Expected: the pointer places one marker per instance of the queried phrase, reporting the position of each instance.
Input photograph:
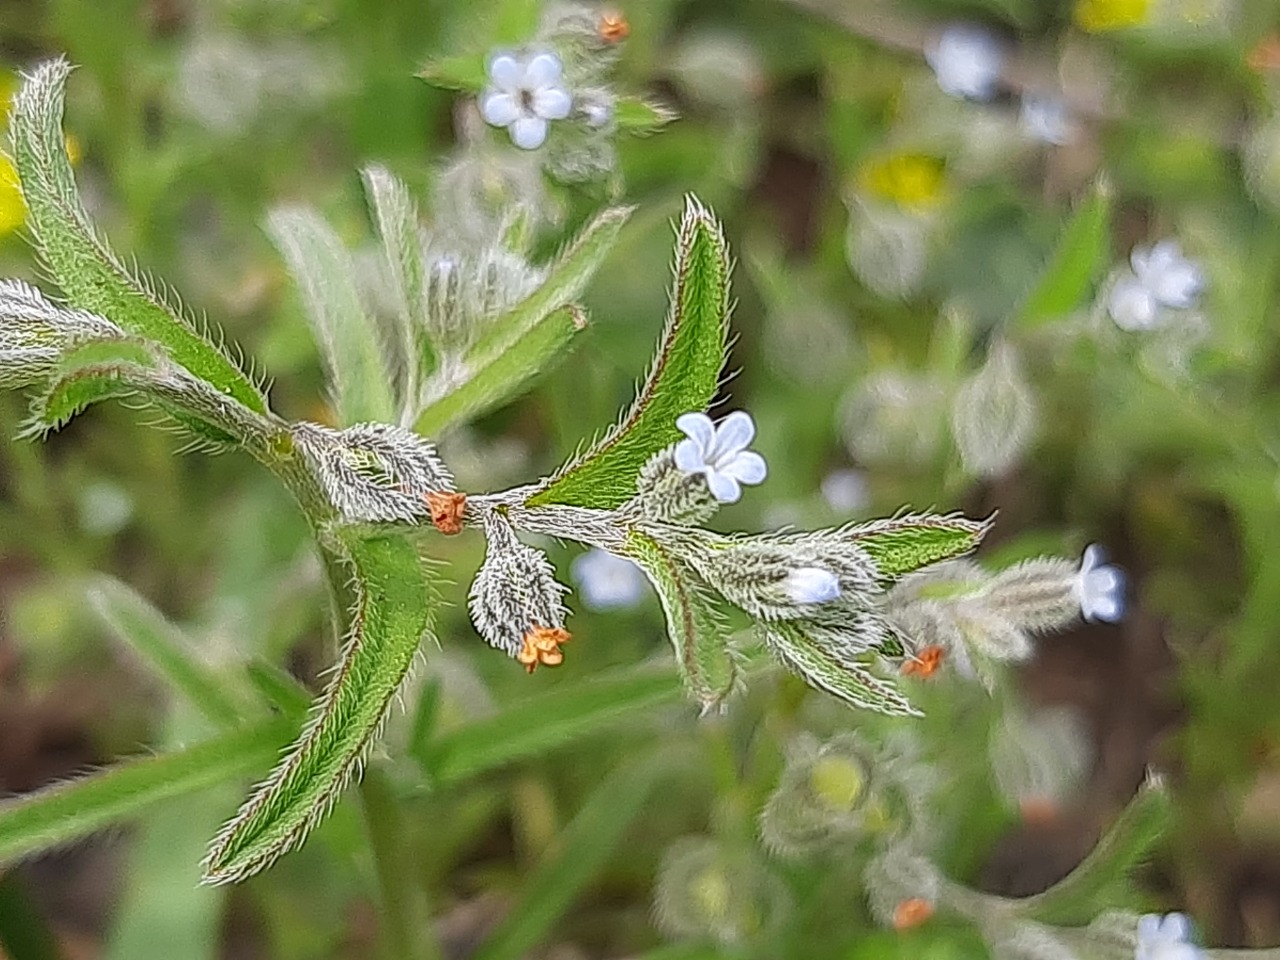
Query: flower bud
(667, 494)
(705, 890)
(824, 794)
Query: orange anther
(542, 645)
(925, 664)
(446, 511)
(613, 27)
(911, 913)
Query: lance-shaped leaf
(93, 371)
(396, 216)
(85, 267)
(1081, 253)
(902, 544)
(701, 647)
(394, 610)
(640, 116)
(68, 811)
(464, 72)
(344, 331)
(824, 661)
(684, 376)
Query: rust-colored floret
(911, 913)
(614, 27)
(925, 664)
(542, 645)
(446, 511)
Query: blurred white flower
(719, 452)
(846, 491)
(606, 581)
(1161, 277)
(1047, 119)
(967, 61)
(806, 585)
(1165, 938)
(1099, 586)
(524, 93)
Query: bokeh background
(886, 234)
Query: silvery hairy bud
(374, 472)
(34, 333)
(516, 601)
(667, 494)
(785, 576)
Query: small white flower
(719, 453)
(967, 61)
(597, 114)
(1099, 587)
(606, 581)
(846, 491)
(1165, 938)
(805, 585)
(1172, 279)
(524, 93)
(1161, 278)
(1047, 119)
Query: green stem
(405, 922)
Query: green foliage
(821, 667)
(907, 543)
(1080, 256)
(684, 376)
(393, 613)
(90, 373)
(81, 262)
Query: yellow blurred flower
(1098, 16)
(12, 210)
(915, 181)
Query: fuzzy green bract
(685, 374)
(81, 262)
(904, 544)
(843, 679)
(394, 611)
(91, 372)
(696, 633)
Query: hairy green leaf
(1103, 879)
(902, 544)
(396, 216)
(502, 375)
(57, 815)
(693, 624)
(86, 268)
(93, 371)
(394, 610)
(344, 332)
(685, 374)
(640, 116)
(542, 723)
(1082, 252)
(464, 72)
(838, 676)
(143, 628)
(586, 845)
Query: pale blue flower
(606, 581)
(524, 94)
(1099, 587)
(806, 585)
(1047, 119)
(1161, 277)
(719, 452)
(967, 61)
(1166, 938)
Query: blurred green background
(886, 235)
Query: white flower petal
(1149, 923)
(698, 428)
(606, 581)
(1094, 556)
(552, 103)
(543, 70)
(528, 133)
(1175, 926)
(723, 487)
(505, 70)
(967, 61)
(499, 108)
(746, 467)
(733, 434)
(807, 585)
(689, 457)
(1131, 305)
(1179, 285)
(1105, 580)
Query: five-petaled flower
(1161, 277)
(606, 581)
(524, 94)
(1165, 938)
(719, 452)
(1099, 586)
(967, 61)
